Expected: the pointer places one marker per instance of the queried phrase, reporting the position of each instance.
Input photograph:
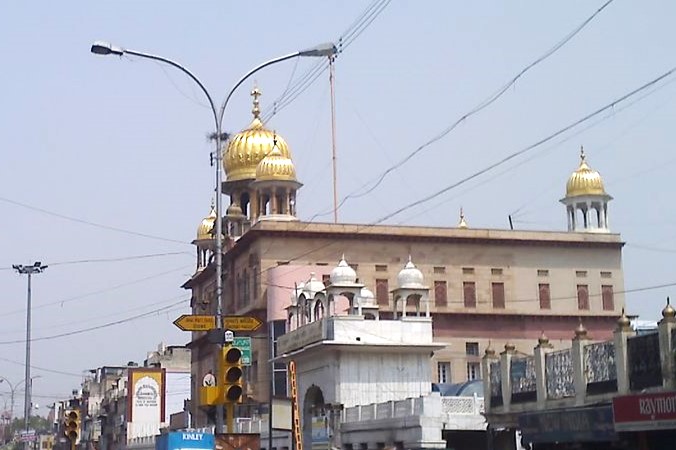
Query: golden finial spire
(582, 155)
(255, 93)
(463, 222)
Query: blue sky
(123, 142)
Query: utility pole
(36, 268)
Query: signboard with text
(656, 411)
(244, 344)
(569, 425)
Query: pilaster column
(540, 355)
(577, 355)
(489, 357)
(505, 375)
(620, 335)
(665, 327)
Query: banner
(146, 401)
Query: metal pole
(271, 330)
(36, 267)
(219, 259)
(322, 50)
(332, 76)
(27, 377)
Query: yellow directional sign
(241, 323)
(189, 322)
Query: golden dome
(276, 166)
(248, 147)
(207, 225)
(623, 323)
(584, 181)
(668, 312)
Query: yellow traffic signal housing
(231, 375)
(71, 424)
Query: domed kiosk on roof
(586, 199)
(260, 176)
(248, 147)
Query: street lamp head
(106, 48)
(327, 49)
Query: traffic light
(71, 424)
(231, 374)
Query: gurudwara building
(482, 287)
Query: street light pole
(105, 48)
(36, 268)
(12, 390)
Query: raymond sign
(645, 411)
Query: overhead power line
(295, 89)
(481, 106)
(63, 301)
(93, 224)
(98, 327)
(43, 369)
(529, 148)
(488, 168)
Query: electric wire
(529, 148)
(486, 169)
(482, 105)
(43, 369)
(147, 314)
(90, 223)
(294, 90)
(99, 291)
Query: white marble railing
(433, 405)
(462, 405)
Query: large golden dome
(276, 166)
(584, 181)
(206, 227)
(247, 148)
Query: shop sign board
(587, 424)
(654, 411)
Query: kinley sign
(656, 411)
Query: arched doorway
(313, 411)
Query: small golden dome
(623, 323)
(585, 180)
(247, 148)
(580, 331)
(233, 210)
(543, 340)
(206, 227)
(509, 347)
(668, 312)
(276, 166)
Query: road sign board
(244, 344)
(241, 323)
(189, 322)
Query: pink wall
(280, 284)
(519, 327)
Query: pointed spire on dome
(623, 323)
(669, 313)
(343, 273)
(462, 223)
(255, 93)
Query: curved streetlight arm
(251, 72)
(184, 70)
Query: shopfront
(585, 427)
(648, 420)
